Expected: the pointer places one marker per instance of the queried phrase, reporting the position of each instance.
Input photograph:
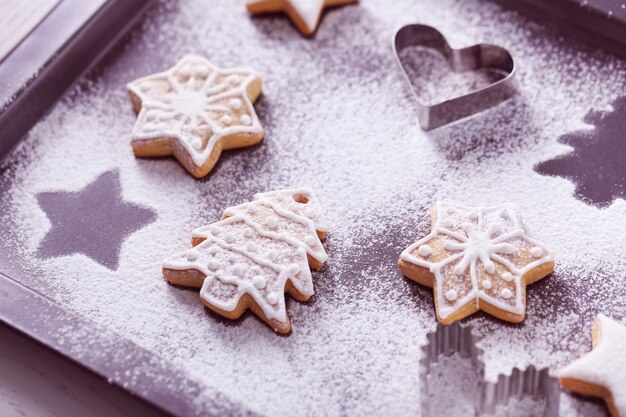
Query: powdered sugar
(338, 118)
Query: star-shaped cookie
(305, 14)
(602, 372)
(193, 111)
(477, 258)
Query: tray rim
(174, 393)
(37, 72)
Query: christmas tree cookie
(602, 372)
(256, 253)
(477, 258)
(193, 111)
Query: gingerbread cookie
(256, 253)
(602, 372)
(305, 14)
(193, 111)
(477, 258)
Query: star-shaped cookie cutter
(471, 58)
(533, 383)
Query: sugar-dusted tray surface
(338, 117)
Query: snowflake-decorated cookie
(256, 253)
(193, 111)
(477, 258)
(305, 14)
(602, 372)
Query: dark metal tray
(349, 51)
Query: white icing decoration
(272, 298)
(506, 293)
(192, 255)
(185, 71)
(197, 102)
(536, 252)
(259, 282)
(232, 80)
(245, 119)
(425, 250)
(196, 143)
(282, 199)
(451, 295)
(485, 243)
(249, 254)
(239, 269)
(202, 71)
(478, 245)
(272, 222)
(310, 213)
(605, 364)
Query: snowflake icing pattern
(197, 104)
(477, 257)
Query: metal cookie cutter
(436, 396)
(530, 383)
(472, 58)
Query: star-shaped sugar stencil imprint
(305, 14)
(596, 164)
(193, 111)
(477, 258)
(94, 221)
(602, 372)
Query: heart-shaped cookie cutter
(455, 338)
(471, 58)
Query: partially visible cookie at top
(477, 258)
(257, 252)
(193, 111)
(305, 14)
(602, 372)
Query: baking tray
(599, 22)
(338, 118)
(65, 44)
